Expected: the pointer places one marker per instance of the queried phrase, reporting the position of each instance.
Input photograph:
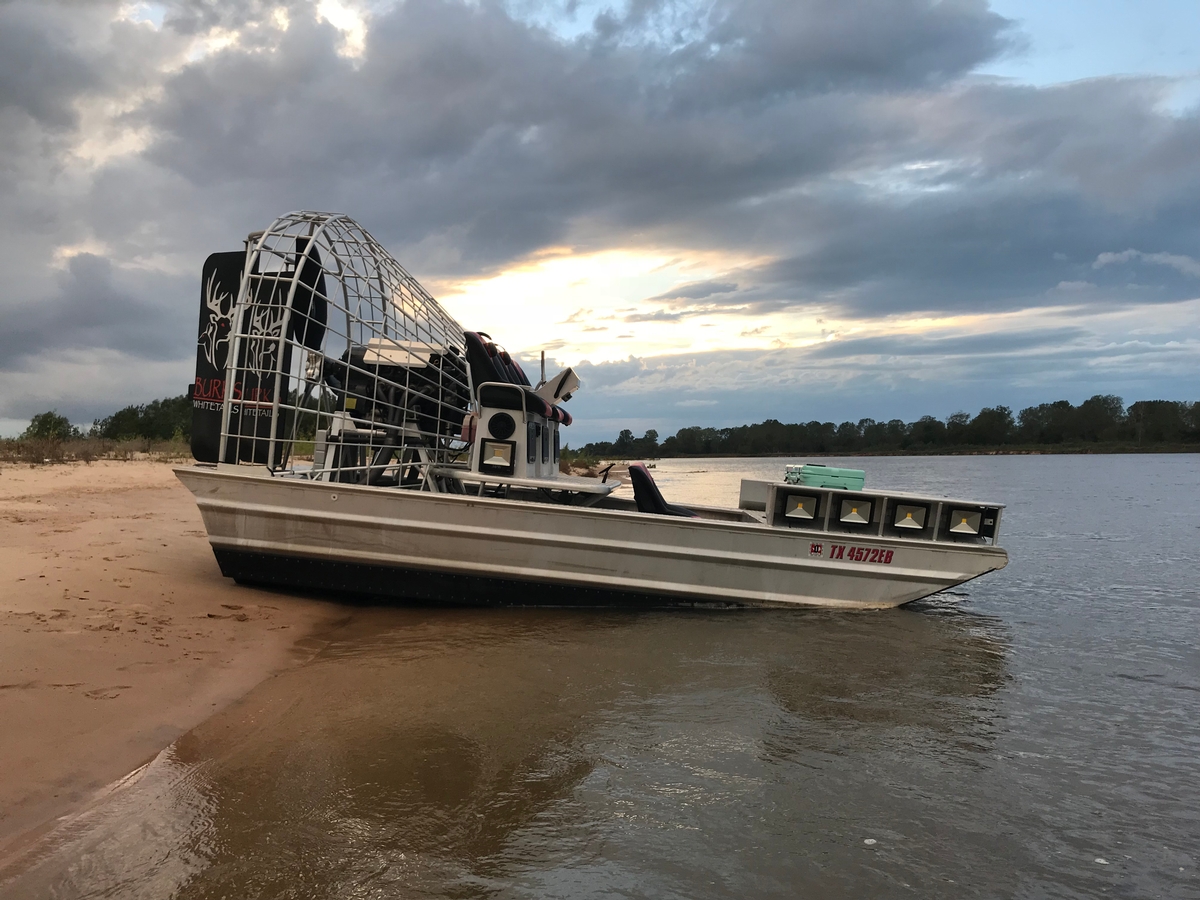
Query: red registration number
(858, 554)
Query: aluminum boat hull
(467, 550)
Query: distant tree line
(1099, 423)
(159, 420)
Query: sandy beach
(117, 631)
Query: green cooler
(826, 477)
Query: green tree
(956, 427)
(1048, 423)
(993, 426)
(51, 426)
(847, 437)
(623, 445)
(158, 420)
(1158, 421)
(1098, 418)
(929, 432)
(647, 444)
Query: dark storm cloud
(461, 118)
(697, 290)
(96, 306)
(848, 142)
(764, 48)
(958, 254)
(933, 347)
(465, 125)
(40, 73)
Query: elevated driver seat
(492, 365)
(649, 498)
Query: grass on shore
(48, 451)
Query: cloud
(577, 317)
(1185, 264)
(904, 376)
(940, 348)
(746, 51)
(696, 291)
(98, 306)
(845, 147)
(39, 74)
(659, 315)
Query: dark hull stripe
(375, 582)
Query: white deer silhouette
(262, 345)
(214, 340)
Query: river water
(1035, 733)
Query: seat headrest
(483, 366)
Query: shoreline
(1174, 450)
(118, 632)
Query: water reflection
(537, 753)
(923, 671)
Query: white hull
(473, 550)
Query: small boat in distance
(350, 436)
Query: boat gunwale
(549, 484)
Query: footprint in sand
(23, 686)
(107, 693)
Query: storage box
(826, 477)
(753, 494)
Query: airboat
(351, 437)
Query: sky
(718, 211)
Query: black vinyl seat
(649, 498)
(492, 365)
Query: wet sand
(117, 631)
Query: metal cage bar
(336, 346)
